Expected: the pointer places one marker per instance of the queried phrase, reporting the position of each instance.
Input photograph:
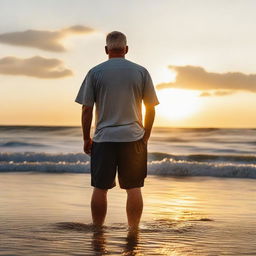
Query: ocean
(171, 151)
(199, 196)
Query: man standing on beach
(117, 87)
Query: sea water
(199, 196)
(171, 151)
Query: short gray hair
(116, 40)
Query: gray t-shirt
(117, 87)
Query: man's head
(116, 44)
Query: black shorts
(129, 159)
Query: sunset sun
(177, 103)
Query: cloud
(217, 93)
(43, 39)
(36, 66)
(197, 78)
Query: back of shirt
(117, 87)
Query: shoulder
(137, 66)
(124, 64)
(98, 67)
(142, 70)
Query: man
(117, 87)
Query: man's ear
(106, 49)
(126, 49)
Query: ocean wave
(42, 130)
(226, 158)
(20, 144)
(35, 128)
(49, 167)
(170, 165)
(152, 156)
(43, 157)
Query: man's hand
(145, 138)
(88, 146)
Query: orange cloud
(197, 78)
(36, 66)
(43, 39)
(217, 93)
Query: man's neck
(110, 56)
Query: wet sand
(49, 214)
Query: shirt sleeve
(149, 93)
(86, 93)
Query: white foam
(55, 167)
(170, 167)
(165, 167)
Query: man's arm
(87, 115)
(148, 121)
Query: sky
(200, 54)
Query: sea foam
(158, 164)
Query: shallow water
(49, 214)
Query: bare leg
(99, 206)
(134, 207)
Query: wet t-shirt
(117, 87)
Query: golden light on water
(176, 104)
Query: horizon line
(93, 127)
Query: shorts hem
(133, 186)
(102, 187)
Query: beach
(49, 214)
(170, 85)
